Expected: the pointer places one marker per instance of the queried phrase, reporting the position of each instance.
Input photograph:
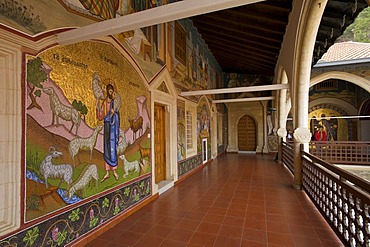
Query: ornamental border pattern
(185, 166)
(72, 225)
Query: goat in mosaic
(129, 166)
(58, 109)
(79, 143)
(136, 125)
(50, 170)
(86, 177)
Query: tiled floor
(237, 200)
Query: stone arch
(355, 79)
(328, 105)
(254, 144)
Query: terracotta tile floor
(237, 200)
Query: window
(327, 85)
(189, 130)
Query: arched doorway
(247, 134)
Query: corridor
(237, 200)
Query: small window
(189, 130)
(327, 85)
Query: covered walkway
(237, 200)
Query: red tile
(160, 231)
(222, 241)
(255, 235)
(172, 243)
(203, 239)
(230, 231)
(180, 235)
(280, 239)
(249, 243)
(208, 227)
(151, 241)
(233, 221)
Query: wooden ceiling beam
(220, 19)
(234, 32)
(250, 58)
(215, 34)
(149, 17)
(255, 17)
(211, 40)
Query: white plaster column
(264, 114)
(214, 132)
(307, 29)
(10, 135)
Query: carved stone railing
(338, 152)
(342, 198)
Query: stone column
(265, 141)
(308, 28)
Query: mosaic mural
(187, 165)
(84, 133)
(203, 123)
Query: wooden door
(159, 143)
(247, 134)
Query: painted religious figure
(107, 111)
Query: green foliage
(61, 237)
(105, 203)
(34, 73)
(359, 30)
(116, 210)
(94, 221)
(33, 202)
(75, 215)
(79, 106)
(31, 236)
(127, 191)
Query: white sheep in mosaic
(58, 109)
(79, 143)
(86, 177)
(122, 145)
(129, 166)
(50, 170)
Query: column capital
(302, 135)
(282, 132)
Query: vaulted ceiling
(248, 39)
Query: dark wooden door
(159, 143)
(247, 134)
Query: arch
(246, 127)
(364, 108)
(336, 108)
(355, 79)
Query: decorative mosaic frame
(71, 225)
(189, 164)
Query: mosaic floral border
(189, 164)
(70, 226)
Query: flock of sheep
(89, 173)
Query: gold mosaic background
(74, 65)
(342, 131)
